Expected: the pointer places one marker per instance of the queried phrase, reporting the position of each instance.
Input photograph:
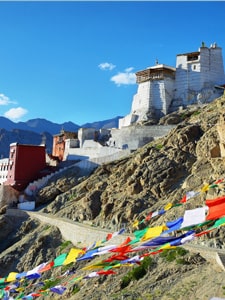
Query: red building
(58, 147)
(25, 164)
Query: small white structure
(4, 166)
(163, 89)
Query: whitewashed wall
(141, 100)
(4, 164)
(127, 120)
(192, 77)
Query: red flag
(47, 267)
(184, 199)
(148, 216)
(106, 272)
(109, 236)
(116, 257)
(122, 249)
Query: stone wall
(134, 137)
(90, 153)
(152, 94)
(86, 134)
(79, 234)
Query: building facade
(197, 73)
(196, 79)
(59, 141)
(24, 164)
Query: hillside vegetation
(120, 193)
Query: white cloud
(124, 78)
(129, 69)
(15, 113)
(4, 100)
(106, 66)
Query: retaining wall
(134, 137)
(85, 235)
(79, 234)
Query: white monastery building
(197, 79)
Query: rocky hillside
(116, 195)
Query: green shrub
(195, 113)
(184, 116)
(76, 289)
(137, 273)
(64, 245)
(181, 261)
(147, 261)
(50, 283)
(173, 254)
(72, 196)
(181, 251)
(65, 268)
(159, 146)
(125, 281)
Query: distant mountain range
(37, 131)
(43, 125)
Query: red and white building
(24, 165)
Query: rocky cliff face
(120, 192)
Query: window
(191, 57)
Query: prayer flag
(149, 216)
(11, 276)
(205, 188)
(59, 289)
(194, 216)
(72, 255)
(153, 232)
(135, 224)
(168, 206)
(47, 267)
(216, 208)
(59, 260)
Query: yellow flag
(153, 232)
(92, 267)
(168, 206)
(205, 188)
(72, 255)
(98, 244)
(167, 246)
(135, 224)
(11, 276)
(20, 289)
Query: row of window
(4, 167)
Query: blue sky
(76, 61)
